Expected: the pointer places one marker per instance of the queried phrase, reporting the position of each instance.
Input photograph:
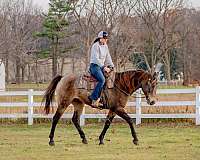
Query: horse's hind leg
(109, 119)
(56, 118)
(78, 108)
(121, 112)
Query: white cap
(102, 34)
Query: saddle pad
(86, 81)
(89, 78)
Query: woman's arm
(108, 60)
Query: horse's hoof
(51, 143)
(101, 143)
(84, 141)
(136, 142)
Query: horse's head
(148, 86)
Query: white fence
(138, 103)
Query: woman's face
(104, 40)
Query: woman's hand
(106, 69)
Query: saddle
(90, 82)
(89, 78)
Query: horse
(125, 84)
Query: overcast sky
(196, 2)
(44, 3)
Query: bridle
(128, 94)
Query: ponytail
(96, 40)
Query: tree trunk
(54, 58)
(17, 74)
(29, 73)
(23, 74)
(36, 71)
(167, 66)
(7, 69)
(54, 62)
(73, 64)
(189, 69)
(115, 60)
(87, 58)
(185, 74)
(62, 65)
(168, 72)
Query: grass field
(20, 142)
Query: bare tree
(154, 29)
(160, 19)
(109, 15)
(20, 20)
(190, 45)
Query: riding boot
(96, 103)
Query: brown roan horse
(125, 84)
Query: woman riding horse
(124, 85)
(99, 61)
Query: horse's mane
(130, 74)
(130, 80)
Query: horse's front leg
(109, 119)
(122, 113)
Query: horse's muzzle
(150, 102)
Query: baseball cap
(102, 34)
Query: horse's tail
(49, 93)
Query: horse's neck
(124, 82)
(129, 81)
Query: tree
(110, 15)
(20, 20)
(161, 19)
(189, 47)
(55, 30)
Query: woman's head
(103, 37)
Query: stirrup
(97, 104)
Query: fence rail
(138, 103)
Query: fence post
(138, 106)
(198, 105)
(82, 117)
(30, 107)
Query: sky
(44, 3)
(196, 3)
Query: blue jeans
(97, 72)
